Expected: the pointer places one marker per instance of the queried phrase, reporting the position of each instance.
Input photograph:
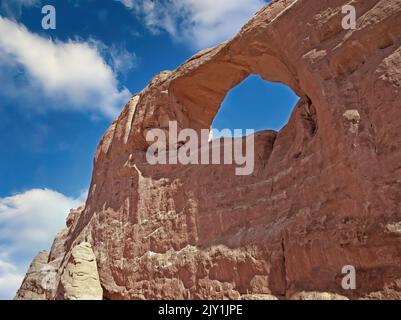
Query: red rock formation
(326, 189)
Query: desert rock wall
(324, 190)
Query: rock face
(32, 288)
(317, 296)
(325, 192)
(80, 278)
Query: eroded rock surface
(325, 192)
(32, 285)
(80, 278)
(317, 296)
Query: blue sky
(60, 90)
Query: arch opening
(255, 104)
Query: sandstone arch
(325, 188)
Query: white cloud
(28, 223)
(201, 23)
(118, 57)
(122, 60)
(13, 8)
(70, 74)
(10, 280)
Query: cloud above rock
(199, 23)
(28, 222)
(69, 75)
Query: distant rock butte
(325, 193)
